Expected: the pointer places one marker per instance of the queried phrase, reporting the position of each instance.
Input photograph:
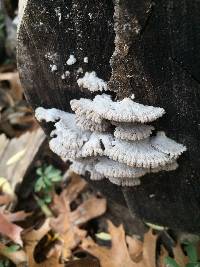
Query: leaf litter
(64, 233)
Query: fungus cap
(132, 132)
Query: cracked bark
(160, 65)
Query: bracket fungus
(102, 107)
(86, 124)
(133, 132)
(109, 139)
(86, 165)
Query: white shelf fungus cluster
(111, 140)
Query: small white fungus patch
(80, 70)
(53, 67)
(58, 13)
(85, 60)
(132, 96)
(91, 82)
(65, 75)
(71, 60)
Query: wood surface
(161, 68)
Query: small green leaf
(39, 171)
(191, 252)
(47, 199)
(48, 170)
(39, 185)
(169, 262)
(54, 173)
(45, 209)
(48, 176)
(12, 248)
(47, 181)
(56, 178)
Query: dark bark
(161, 68)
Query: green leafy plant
(192, 254)
(48, 176)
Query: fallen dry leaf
(31, 239)
(5, 187)
(67, 222)
(5, 100)
(17, 257)
(135, 248)
(17, 119)
(5, 199)
(10, 230)
(17, 155)
(149, 250)
(16, 216)
(179, 256)
(163, 254)
(16, 90)
(89, 209)
(119, 255)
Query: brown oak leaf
(68, 221)
(119, 255)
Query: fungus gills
(108, 140)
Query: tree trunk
(160, 67)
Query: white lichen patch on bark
(107, 139)
(91, 82)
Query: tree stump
(160, 67)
